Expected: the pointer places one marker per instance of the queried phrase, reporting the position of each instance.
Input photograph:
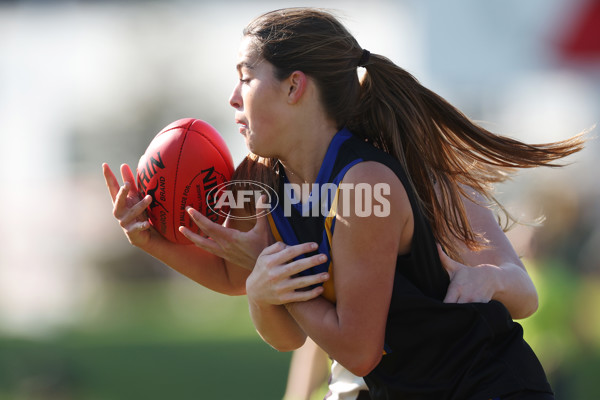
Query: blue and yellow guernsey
(294, 222)
(433, 350)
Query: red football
(181, 165)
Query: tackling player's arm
(496, 272)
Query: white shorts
(343, 384)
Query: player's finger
(128, 176)
(303, 264)
(120, 203)
(291, 252)
(124, 213)
(111, 181)
(207, 226)
(452, 295)
(140, 207)
(273, 249)
(449, 264)
(136, 227)
(302, 282)
(304, 295)
(201, 241)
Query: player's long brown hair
(438, 146)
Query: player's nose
(235, 100)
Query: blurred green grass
(565, 331)
(172, 339)
(107, 370)
(148, 340)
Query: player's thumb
(449, 264)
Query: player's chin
(258, 148)
(252, 146)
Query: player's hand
(468, 284)
(128, 206)
(237, 247)
(274, 279)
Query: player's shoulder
(372, 177)
(358, 149)
(372, 172)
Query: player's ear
(296, 84)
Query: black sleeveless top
(433, 350)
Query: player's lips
(243, 126)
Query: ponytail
(441, 149)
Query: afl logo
(239, 193)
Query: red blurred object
(582, 37)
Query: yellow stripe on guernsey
(328, 286)
(274, 230)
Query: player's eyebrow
(244, 64)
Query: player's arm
(309, 370)
(197, 264)
(273, 283)
(364, 250)
(495, 272)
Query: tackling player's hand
(469, 284)
(275, 279)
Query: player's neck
(303, 161)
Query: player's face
(259, 101)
